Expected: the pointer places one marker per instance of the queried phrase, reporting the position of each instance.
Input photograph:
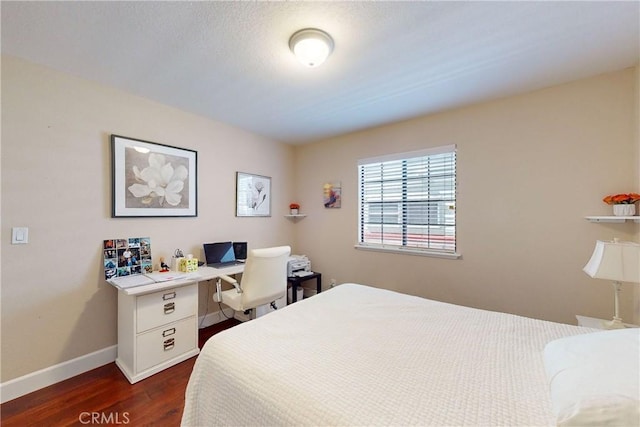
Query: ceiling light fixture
(311, 46)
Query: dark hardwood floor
(104, 396)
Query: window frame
(404, 214)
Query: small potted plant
(294, 208)
(623, 204)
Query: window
(407, 202)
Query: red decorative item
(622, 199)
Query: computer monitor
(223, 254)
(240, 250)
(220, 252)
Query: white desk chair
(264, 280)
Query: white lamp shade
(618, 261)
(311, 46)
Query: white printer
(298, 265)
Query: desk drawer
(165, 343)
(160, 308)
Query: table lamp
(616, 261)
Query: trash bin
(299, 294)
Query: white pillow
(595, 378)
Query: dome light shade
(311, 46)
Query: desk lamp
(616, 261)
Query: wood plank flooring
(104, 396)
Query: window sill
(409, 252)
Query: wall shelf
(295, 216)
(635, 219)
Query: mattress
(358, 355)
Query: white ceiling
(230, 61)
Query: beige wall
(56, 173)
(529, 169)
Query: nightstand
(592, 322)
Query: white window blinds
(407, 201)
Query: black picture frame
(153, 180)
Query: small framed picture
(152, 180)
(332, 194)
(253, 195)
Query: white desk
(203, 273)
(158, 323)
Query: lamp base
(616, 323)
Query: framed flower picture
(253, 195)
(152, 180)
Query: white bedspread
(357, 355)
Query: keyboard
(225, 264)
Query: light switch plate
(20, 235)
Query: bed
(358, 355)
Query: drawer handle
(169, 344)
(169, 307)
(168, 295)
(169, 332)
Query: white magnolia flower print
(159, 180)
(257, 196)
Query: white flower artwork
(159, 180)
(253, 196)
(152, 179)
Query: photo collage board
(125, 257)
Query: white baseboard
(54, 374)
(215, 317)
(26, 384)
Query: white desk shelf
(295, 217)
(613, 218)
